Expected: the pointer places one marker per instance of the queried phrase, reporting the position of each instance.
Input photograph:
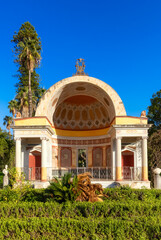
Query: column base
(43, 174)
(118, 173)
(18, 174)
(144, 174)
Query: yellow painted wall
(129, 120)
(31, 121)
(91, 133)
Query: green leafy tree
(154, 112)
(154, 152)
(27, 50)
(154, 141)
(7, 149)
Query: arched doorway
(127, 164)
(35, 165)
(82, 158)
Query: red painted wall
(35, 166)
(34, 161)
(127, 159)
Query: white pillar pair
(144, 160)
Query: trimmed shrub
(79, 210)
(125, 214)
(43, 228)
(123, 194)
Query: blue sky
(120, 41)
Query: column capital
(118, 138)
(17, 138)
(144, 137)
(44, 138)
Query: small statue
(18, 115)
(5, 177)
(143, 114)
(80, 66)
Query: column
(118, 160)
(59, 160)
(49, 172)
(43, 159)
(144, 160)
(113, 159)
(90, 162)
(74, 156)
(104, 156)
(18, 155)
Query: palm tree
(22, 98)
(13, 107)
(30, 58)
(65, 189)
(7, 121)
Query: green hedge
(24, 194)
(125, 194)
(125, 214)
(80, 210)
(117, 194)
(48, 228)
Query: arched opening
(66, 91)
(81, 109)
(35, 165)
(81, 106)
(81, 112)
(127, 164)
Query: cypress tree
(27, 53)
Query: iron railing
(96, 172)
(131, 173)
(101, 173)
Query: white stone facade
(82, 113)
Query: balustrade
(101, 173)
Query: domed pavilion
(80, 126)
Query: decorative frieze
(81, 142)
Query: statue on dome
(80, 66)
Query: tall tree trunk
(9, 130)
(25, 111)
(30, 95)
